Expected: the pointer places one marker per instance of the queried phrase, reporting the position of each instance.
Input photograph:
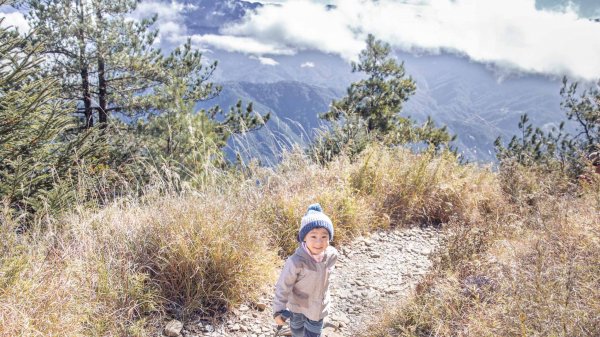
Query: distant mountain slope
(476, 102)
(294, 108)
(466, 97)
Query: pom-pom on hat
(315, 218)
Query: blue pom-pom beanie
(315, 218)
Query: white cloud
(14, 19)
(300, 25)
(170, 22)
(510, 34)
(244, 45)
(265, 60)
(307, 65)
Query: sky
(550, 37)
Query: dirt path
(371, 272)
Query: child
(302, 290)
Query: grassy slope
(534, 271)
(117, 270)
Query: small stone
(261, 306)
(330, 332)
(343, 293)
(173, 328)
(235, 327)
(392, 290)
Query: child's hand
(279, 320)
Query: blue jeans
(304, 327)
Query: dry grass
(535, 272)
(111, 272)
(121, 268)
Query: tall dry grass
(535, 273)
(180, 250)
(117, 270)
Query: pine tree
(570, 153)
(371, 109)
(377, 99)
(35, 158)
(108, 63)
(100, 58)
(585, 111)
(176, 131)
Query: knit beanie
(314, 218)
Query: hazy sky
(554, 37)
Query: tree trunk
(84, 71)
(87, 100)
(102, 99)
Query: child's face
(317, 240)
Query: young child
(302, 290)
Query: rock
(330, 332)
(235, 327)
(343, 293)
(261, 306)
(393, 290)
(173, 328)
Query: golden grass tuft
(38, 292)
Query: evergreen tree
(533, 145)
(377, 99)
(585, 111)
(101, 59)
(176, 131)
(557, 149)
(35, 158)
(108, 64)
(372, 106)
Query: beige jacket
(303, 285)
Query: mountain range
(477, 102)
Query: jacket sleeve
(284, 285)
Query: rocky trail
(371, 273)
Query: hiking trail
(372, 272)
